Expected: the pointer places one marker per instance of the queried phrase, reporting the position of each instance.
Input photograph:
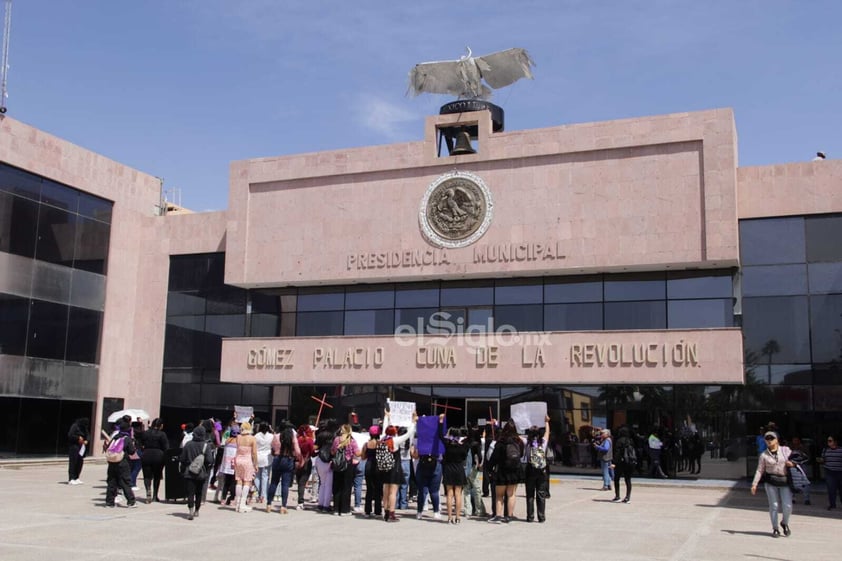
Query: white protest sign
(529, 414)
(243, 413)
(400, 412)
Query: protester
(359, 467)
(135, 463)
(771, 468)
(77, 438)
(119, 473)
(507, 455)
(624, 462)
(373, 482)
(304, 466)
(343, 478)
(323, 443)
(245, 465)
(285, 454)
(473, 489)
(226, 468)
(264, 438)
(155, 443)
(456, 448)
(536, 471)
(394, 477)
(195, 482)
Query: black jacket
(193, 449)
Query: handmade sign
(529, 414)
(243, 413)
(427, 433)
(400, 412)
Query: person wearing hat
(772, 466)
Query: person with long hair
(323, 443)
(373, 482)
(155, 443)
(286, 453)
(624, 462)
(245, 465)
(771, 468)
(77, 439)
(393, 478)
(456, 447)
(304, 465)
(536, 471)
(119, 473)
(264, 438)
(343, 479)
(507, 455)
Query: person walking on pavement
(771, 468)
(197, 446)
(832, 460)
(119, 472)
(77, 438)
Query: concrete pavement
(44, 518)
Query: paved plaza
(44, 518)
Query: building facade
(622, 272)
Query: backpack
(114, 454)
(513, 455)
(537, 457)
(196, 469)
(324, 454)
(339, 462)
(629, 455)
(384, 459)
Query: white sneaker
(78, 482)
(419, 515)
(358, 510)
(437, 515)
(135, 488)
(74, 482)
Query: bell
(463, 144)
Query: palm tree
(770, 348)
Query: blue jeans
(833, 480)
(607, 476)
(282, 468)
(780, 499)
(359, 477)
(261, 481)
(428, 479)
(403, 490)
(136, 466)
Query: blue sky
(180, 88)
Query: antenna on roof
(4, 64)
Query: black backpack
(339, 461)
(629, 455)
(513, 455)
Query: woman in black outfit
(456, 447)
(506, 459)
(196, 483)
(623, 464)
(77, 437)
(154, 443)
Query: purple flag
(427, 432)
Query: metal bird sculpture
(464, 77)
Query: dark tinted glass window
(94, 207)
(479, 320)
(772, 241)
(694, 285)
(47, 330)
(519, 292)
(420, 295)
(775, 280)
(59, 196)
(575, 289)
(56, 236)
(368, 298)
(226, 300)
(229, 325)
(14, 313)
(184, 341)
(265, 325)
(636, 315)
(83, 335)
(265, 302)
(573, 317)
(369, 322)
(825, 277)
(468, 293)
(824, 238)
(18, 225)
(20, 182)
(777, 328)
(448, 321)
(315, 299)
(526, 317)
(188, 272)
(826, 327)
(312, 324)
(700, 313)
(638, 286)
(91, 245)
(413, 320)
(185, 304)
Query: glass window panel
(14, 313)
(776, 329)
(775, 280)
(20, 182)
(772, 241)
(789, 374)
(369, 322)
(684, 314)
(826, 327)
(56, 236)
(182, 376)
(635, 286)
(828, 398)
(188, 272)
(47, 332)
(83, 335)
(573, 289)
(232, 325)
(313, 324)
(91, 245)
(18, 225)
(448, 321)
(528, 317)
(685, 285)
(216, 270)
(573, 317)
(95, 207)
(413, 320)
(825, 277)
(221, 394)
(480, 320)
(369, 297)
(185, 304)
(180, 395)
(417, 295)
(317, 299)
(59, 196)
(525, 291)
(823, 238)
(257, 395)
(636, 315)
(792, 398)
(184, 341)
(265, 302)
(467, 293)
(265, 325)
(226, 300)
(827, 374)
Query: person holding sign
(456, 447)
(393, 478)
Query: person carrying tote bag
(772, 469)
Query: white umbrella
(135, 414)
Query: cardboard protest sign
(400, 412)
(243, 413)
(427, 433)
(529, 414)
